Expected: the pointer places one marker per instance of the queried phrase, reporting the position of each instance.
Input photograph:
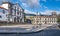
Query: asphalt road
(50, 31)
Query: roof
(6, 2)
(46, 16)
(3, 7)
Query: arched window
(18, 19)
(15, 19)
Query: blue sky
(42, 6)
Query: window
(15, 19)
(18, 12)
(0, 16)
(3, 12)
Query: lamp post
(38, 20)
(37, 17)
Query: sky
(41, 6)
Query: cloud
(49, 12)
(25, 5)
(46, 12)
(31, 3)
(45, 7)
(29, 12)
(3, 1)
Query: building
(44, 19)
(11, 13)
(29, 18)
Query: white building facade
(11, 13)
(44, 19)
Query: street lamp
(38, 19)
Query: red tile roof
(3, 7)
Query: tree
(58, 17)
(24, 18)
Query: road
(50, 31)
